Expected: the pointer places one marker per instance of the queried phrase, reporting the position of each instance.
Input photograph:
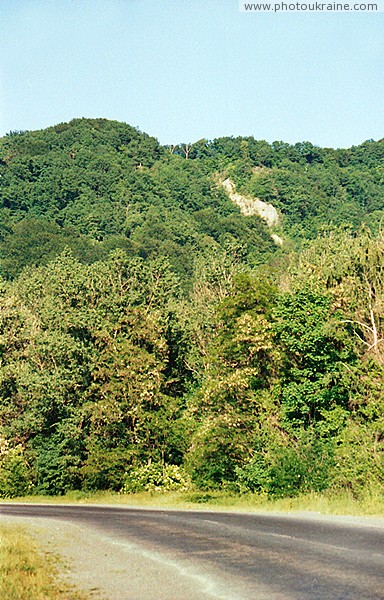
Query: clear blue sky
(183, 70)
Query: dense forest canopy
(153, 335)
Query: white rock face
(277, 239)
(253, 206)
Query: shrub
(156, 477)
(16, 477)
(359, 460)
(287, 470)
(57, 470)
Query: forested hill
(93, 185)
(153, 336)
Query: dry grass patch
(25, 572)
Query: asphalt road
(245, 556)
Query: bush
(16, 477)
(287, 470)
(57, 470)
(216, 451)
(156, 477)
(359, 460)
(105, 468)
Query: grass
(342, 503)
(25, 573)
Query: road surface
(233, 556)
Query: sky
(183, 70)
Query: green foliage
(284, 470)
(156, 477)
(16, 477)
(283, 380)
(84, 183)
(85, 385)
(359, 459)
(57, 467)
(104, 468)
(218, 447)
(35, 241)
(148, 329)
(314, 348)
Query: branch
(359, 323)
(361, 339)
(375, 343)
(374, 330)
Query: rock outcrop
(254, 206)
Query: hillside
(93, 185)
(158, 331)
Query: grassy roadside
(25, 573)
(370, 504)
